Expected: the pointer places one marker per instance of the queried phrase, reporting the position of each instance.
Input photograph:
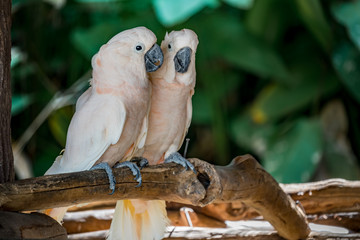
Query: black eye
(169, 46)
(138, 47)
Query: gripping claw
(108, 170)
(177, 158)
(140, 162)
(134, 169)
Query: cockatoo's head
(129, 54)
(179, 48)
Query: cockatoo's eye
(139, 47)
(170, 47)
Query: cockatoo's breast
(137, 103)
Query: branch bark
(30, 226)
(6, 156)
(243, 180)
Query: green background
(277, 79)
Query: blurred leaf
(97, 1)
(276, 101)
(225, 37)
(19, 103)
(173, 12)
(242, 4)
(339, 158)
(202, 110)
(16, 56)
(312, 14)
(269, 21)
(294, 156)
(56, 3)
(45, 156)
(346, 60)
(252, 136)
(347, 13)
(59, 122)
(88, 41)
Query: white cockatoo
(169, 119)
(110, 121)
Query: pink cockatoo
(110, 121)
(169, 119)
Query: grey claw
(134, 169)
(108, 170)
(140, 161)
(177, 158)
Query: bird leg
(108, 170)
(140, 162)
(177, 158)
(134, 169)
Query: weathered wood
(166, 181)
(96, 220)
(350, 221)
(6, 156)
(328, 196)
(236, 233)
(333, 195)
(30, 226)
(100, 218)
(244, 180)
(88, 221)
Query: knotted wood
(242, 180)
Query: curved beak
(153, 58)
(182, 59)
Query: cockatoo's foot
(177, 158)
(108, 170)
(140, 162)
(134, 168)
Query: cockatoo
(169, 119)
(110, 121)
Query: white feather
(94, 127)
(138, 220)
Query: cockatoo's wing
(94, 127)
(188, 122)
(83, 99)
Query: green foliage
(347, 13)
(346, 60)
(266, 73)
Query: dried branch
(243, 180)
(30, 226)
(6, 156)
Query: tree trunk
(6, 156)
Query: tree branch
(6, 156)
(244, 180)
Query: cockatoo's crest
(117, 61)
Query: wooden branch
(350, 221)
(244, 180)
(236, 233)
(6, 155)
(328, 196)
(30, 226)
(95, 220)
(323, 197)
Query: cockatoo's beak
(182, 59)
(154, 58)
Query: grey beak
(154, 58)
(182, 59)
